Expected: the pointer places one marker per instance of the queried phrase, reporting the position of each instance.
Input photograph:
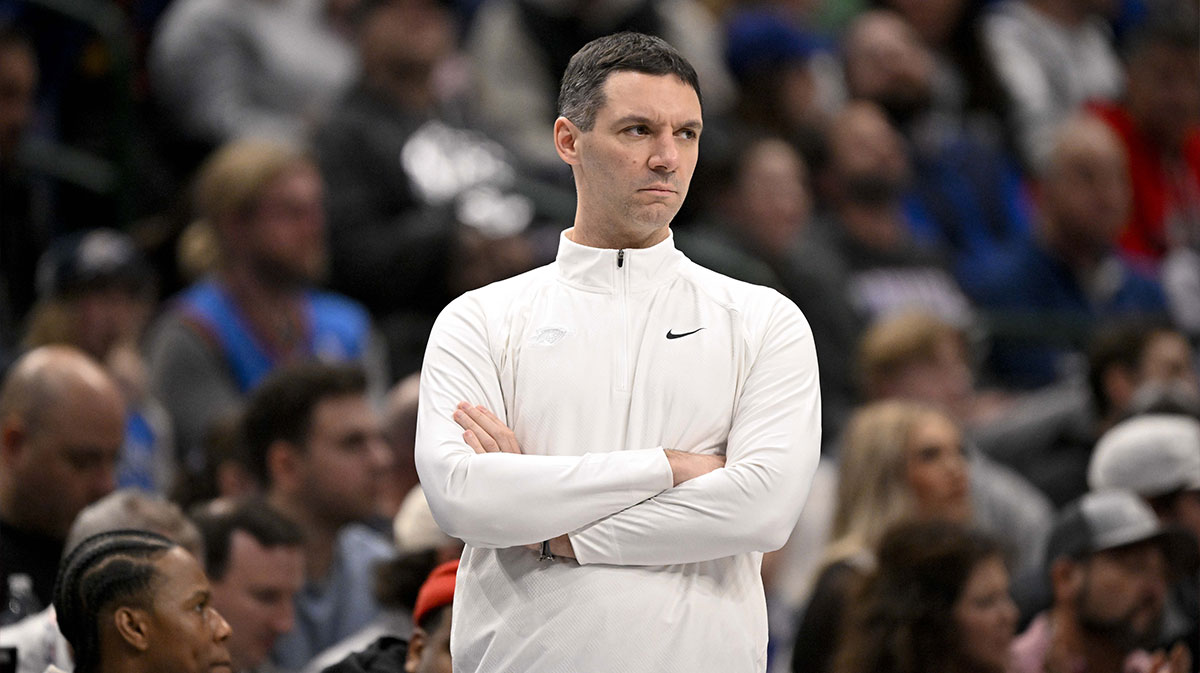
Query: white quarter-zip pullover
(597, 362)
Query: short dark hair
(581, 93)
(254, 516)
(282, 407)
(104, 569)
(1122, 343)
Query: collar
(596, 268)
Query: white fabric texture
(575, 357)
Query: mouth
(658, 190)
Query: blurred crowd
(227, 226)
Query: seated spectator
(259, 309)
(135, 602)
(888, 270)
(918, 358)
(62, 425)
(400, 429)
(1051, 56)
(422, 206)
(1108, 562)
(428, 650)
(1158, 121)
(420, 547)
(1048, 293)
(317, 446)
(97, 294)
(1157, 456)
(966, 195)
(897, 460)
(254, 558)
(37, 639)
(27, 226)
(936, 601)
(231, 69)
(1048, 437)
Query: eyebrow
(639, 119)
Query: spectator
(1051, 56)
(37, 639)
(1048, 438)
(258, 310)
(966, 196)
(1157, 456)
(400, 428)
(26, 230)
(254, 558)
(422, 206)
(61, 431)
(317, 446)
(897, 460)
(1108, 561)
(428, 651)
(937, 601)
(225, 70)
(1158, 122)
(1046, 294)
(135, 602)
(889, 271)
(918, 358)
(420, 547)
(97, 294)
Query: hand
(559, 546)
(483, 431)
(685, 466)
(1178, 661)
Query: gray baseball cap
(1150, 455)
(1114, 518)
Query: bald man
(62, 424)
(1058, 286)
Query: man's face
(18, 80)
(186, 633)
(286, 230)
(633, 168)
(429, 651)
(772, 205)
(867, 156)
(1167, 360)
(1087, 192)
(345, 459)
(1122, 594)
(256, 594)
(68, 457)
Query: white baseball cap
(1150, 455)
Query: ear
(1066, 578)
(283, 465)
(566, 139)
(416, 647)
(12, 439)
(133, 625)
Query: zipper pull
(620, 258)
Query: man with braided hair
(135, 602)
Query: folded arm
(500, 498)
(753, 503)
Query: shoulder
(495, 299)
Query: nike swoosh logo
(672, 335)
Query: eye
(687, 134)
(638, 130)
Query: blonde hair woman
(898, 460)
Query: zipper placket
(623, 299)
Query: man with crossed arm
(665, 420)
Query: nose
(665, 155)
(284, 618)
(381, 454)
(222, 630)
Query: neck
(273, 310)
(1069, 643)
(1082, 259)
(880, 227)
(616, 238)
(320, 534)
